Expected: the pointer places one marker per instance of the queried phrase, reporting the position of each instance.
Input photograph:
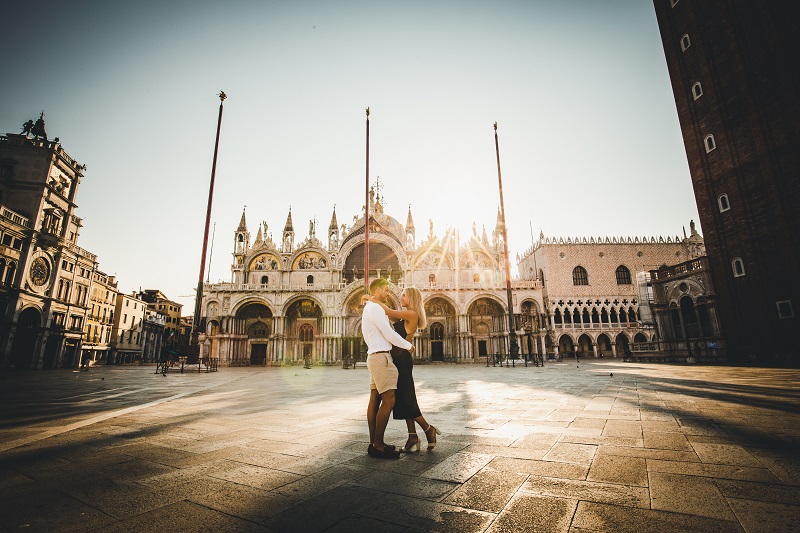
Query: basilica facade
(297, 301)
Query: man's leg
(382, 419)
(372, 412)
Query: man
(379, 336)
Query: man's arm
(378, 317)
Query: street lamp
(195, 346)
(513, 347)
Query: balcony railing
(678, 270)
(15, 217)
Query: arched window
(306, 333)
(723, 203)
(738, 267)
(697, 90)
(437, 331)
(623, 275)
(432, 279)
(265, 280)
(685, 42)
(557, 317)
(310, 280)
(709, 143)
(10, 271)
(579, 276)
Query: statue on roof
(38, 128)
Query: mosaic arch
(310, 260)
(265, 262)
(382, 260)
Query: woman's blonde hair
(414, 298)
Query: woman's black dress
(405, 405)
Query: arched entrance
(604, 345)
(585, 345)
(301, 323)
(640, 337)
(481, 332)
(441, 312)
(258, 323)
(623, 345)
(28, 325)
(486, 315)
(437, 341)
(565, 345)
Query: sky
(589, 139)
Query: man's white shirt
(378, 332)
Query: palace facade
(292, 302)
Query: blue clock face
(40, 271)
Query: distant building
(100, 318)
(592, 300)
(735, 76)
(158, 302)
(46, 276)
(128, 337)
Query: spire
(499, 224)
(259, 237)
(288, 226)
(409, 220)
(334, 224)
(242, 223)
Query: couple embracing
(390, 366)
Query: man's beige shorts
(382, 372)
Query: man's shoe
(386, 453)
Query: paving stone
(527, 512)
(50, 511)
(507, 451)
(710, 470)
(458, 467)
(623, 428)
(427, 516)
(764, 516)
(767, 492)
(251, 504)
(488, 490)
(688, 494)
(253, 476)
(408, 485)
(588, 490)
(591, 516)
(725, 454)
(186, 516)
(307, 487)
(647, 453)
(666, 441)
(566, 452)
(618, 469)
(540, 468)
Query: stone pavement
(562, 448)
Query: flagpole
(513, 348)
(199, 295)
(366, 218)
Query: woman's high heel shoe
(430, 434)
(411, 443)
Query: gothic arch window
(265, 280)
(586, 319)
(685, 42)
(738, 267)
(306, 333)
(709, 143)
(580, 276)
(8, 279)
(697, 90)
(723, 202)
(614, 318)
(437, 331)
(557, 317)
(623, 275)
(309, 280)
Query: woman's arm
(406, 315)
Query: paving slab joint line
(83, 423)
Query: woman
(405, 407)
